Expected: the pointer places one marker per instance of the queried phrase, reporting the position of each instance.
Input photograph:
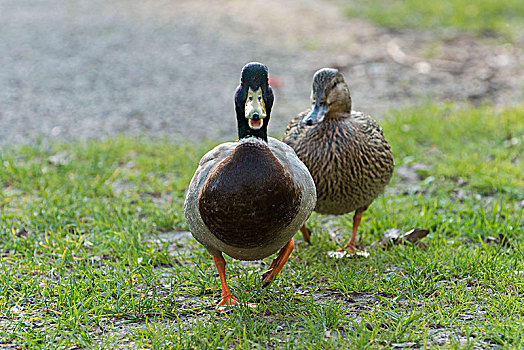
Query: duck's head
(253, 101)
(329, 96)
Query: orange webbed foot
(228, 300)
(266, 278)
(351, 249)
(277, 263)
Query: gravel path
(91, 68)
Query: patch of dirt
(178, 241)
(446, 336)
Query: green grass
(90, 258)
(482, 17)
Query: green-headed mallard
(345, 151)
(248, 198)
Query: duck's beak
(255, 109)
(317, 114)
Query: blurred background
(78, 69)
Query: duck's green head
(253, 101)
(329, 96)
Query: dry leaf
(501, 239)
(337, 255)
(60, 158)
(362, 253)
(415, 235)
(343, 254)
(394, 237)
(22, 232)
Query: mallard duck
(248, 198)
(345, 151)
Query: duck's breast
(249, 198)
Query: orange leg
(227, 298)
(278, 263)
(350, 246)
(306, 233)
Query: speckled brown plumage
(345, 152)
(349, 160)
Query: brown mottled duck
(248, 198)
(345, 151)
